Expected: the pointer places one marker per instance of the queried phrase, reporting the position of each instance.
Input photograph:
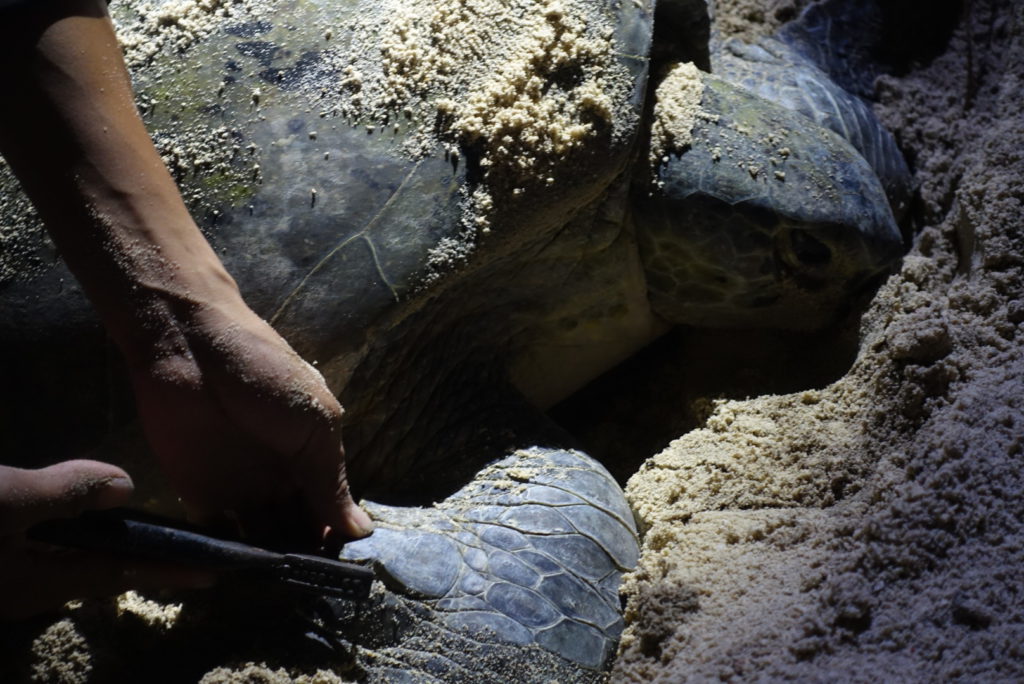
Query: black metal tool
(132, 533)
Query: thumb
(59, 491)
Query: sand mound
(873, 530)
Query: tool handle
(125, 532)
(139, 535)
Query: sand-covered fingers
(247, 431)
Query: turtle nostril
(808, 249)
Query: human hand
(246, 431)
(239, 422)
(34, 577)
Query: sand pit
(870, 530)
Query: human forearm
(71, 132)
(245, 429)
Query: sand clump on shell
(488, 69)
(487, 76)
(174, 25)
(676, 108)
(520, 84)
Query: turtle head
(761, 218)
(714, 264)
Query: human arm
(240, 423)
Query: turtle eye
(809, 250)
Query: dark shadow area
(57, 401)
(681, 33)
(915, 32)
(634, 410)
(855, 40)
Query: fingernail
(361, 521)
(114, 492)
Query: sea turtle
(462, 210)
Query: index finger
(325, 485)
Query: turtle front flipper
(527, 557)
(751, 214)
